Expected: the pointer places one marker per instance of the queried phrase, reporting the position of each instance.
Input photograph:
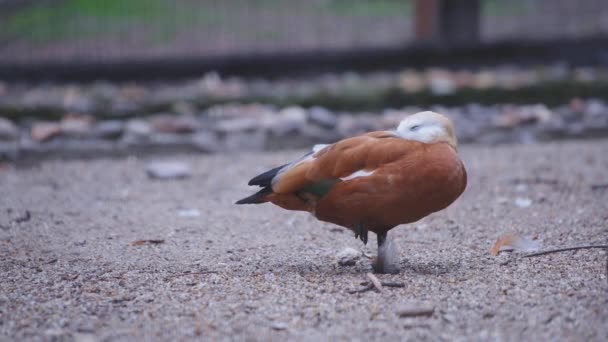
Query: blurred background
(93, 77)
(115, 30)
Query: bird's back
(421, 182)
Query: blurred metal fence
(111, 30)
(543, 19)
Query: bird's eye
(414, 128)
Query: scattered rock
(8, 130)
(289, 120)
(167, 123)
(256, 127)
(237, 125)
(523, 202)
(186, 109)
(245, 141)
(133, 92)
(22, 217)
(411, 81)
(43, 131)
(205, 142)
(109, 129)
(74, 99)
(348, 257)
(76, 126)
(322, 117)
(138, 128)
(168, 170)
(8, 151)
(441, 82)
(146, 298)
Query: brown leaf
(513, 241)
(147, 242)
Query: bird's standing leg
(386, 261)
(381, 238)
(361, 233)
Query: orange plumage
(372, 182)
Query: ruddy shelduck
(372, 182)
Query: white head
(428, 127)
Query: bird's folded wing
(364, 154)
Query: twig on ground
(391, 284)
(184, 274)
(368, 286)
(596, 187)
(557, 250)
(375, 281)
(147, 242)
(416, 311)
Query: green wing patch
(321, 188)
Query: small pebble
(8, 130)
(523, 202)
(279, 326)
(168, 170)
(348, 257)
(189, 213)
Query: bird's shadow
(433, 268)
(436, 268)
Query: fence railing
(111, 31)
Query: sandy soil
(70, 270)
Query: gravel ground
(70, 269)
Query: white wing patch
(357, 174)
(306, 158)
(319, 147)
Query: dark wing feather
(258, 197)
(265, 178)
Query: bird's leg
(381, 239)
(361, 233)
(386, 261)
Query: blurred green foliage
(159, 21)
(41, 22)
(369, 8)
(498, 8)
(72, 19)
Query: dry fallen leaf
(147, 242)
(513, 241)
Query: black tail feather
(265, 178)
(258, 197)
